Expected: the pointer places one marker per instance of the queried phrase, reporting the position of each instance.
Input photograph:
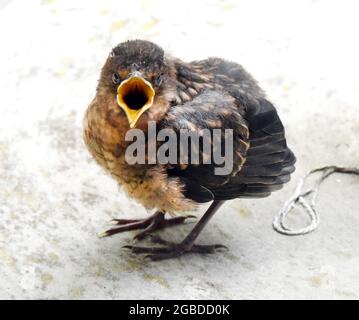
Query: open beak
(135, 95)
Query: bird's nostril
(135, 66)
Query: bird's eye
(158, 80)
(116, 78)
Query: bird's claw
(170, 249)
(149, 225)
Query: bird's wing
(208, 110)
(269, 162)
(262, 162)
(192, 79)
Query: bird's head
(137, 78)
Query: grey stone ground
(54, 199)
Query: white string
(302, 199)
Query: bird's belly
(152, 187)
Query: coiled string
(306, 199)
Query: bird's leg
(170, 250)
(153, 223)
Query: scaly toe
(123, 221)
(158, 240)
(140, 250)
(165, 256)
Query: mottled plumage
(206, 94)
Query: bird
(139, 84)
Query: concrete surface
(54, 199)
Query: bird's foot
(170, 250)
(153, 223)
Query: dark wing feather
(269, 161)
(209, 110)
(240, 105)
(195, 191)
